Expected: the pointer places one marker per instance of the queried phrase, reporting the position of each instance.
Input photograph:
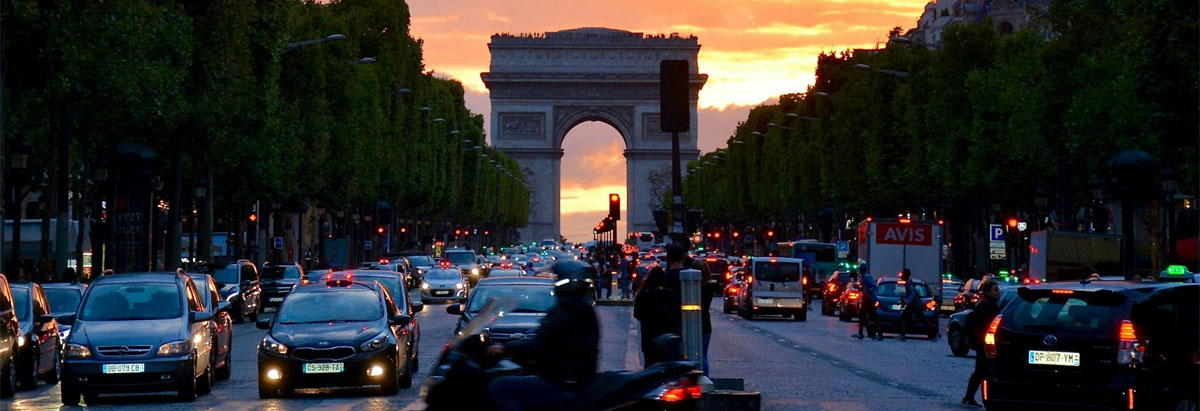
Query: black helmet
(574, 277)
(862, 266)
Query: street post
(693, 343)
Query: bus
(821, 256)
(643, 241)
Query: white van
(774, 286)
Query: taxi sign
(1176, 270)
(338, 279)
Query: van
(774, 286)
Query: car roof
(1117, 286)
(77, 286)
(780, 259)
(152, 277)
(502, 281)
(374, 273)
(319, 289)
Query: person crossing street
(867, 314)
(977, 323)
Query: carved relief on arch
(620, 117)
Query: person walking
(977, 324)
(913, 306)
(656, 307)
(623, 280)
(867, 315)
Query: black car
(9, 330)
(392, 281)
(334, 334)
(534, 297)
(64, 299)
(418, 265)
(238, 284)
(891, 292)
(956, 335)
(222, 325)
(138, 332)
(1096, 344)
(38, 346)
(465, 260)
(731, 291)
(276, 281)
(833, 288)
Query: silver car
(444, 284)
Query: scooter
(463, 372)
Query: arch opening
(593, 166)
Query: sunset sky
(752, 51)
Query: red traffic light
(614, 206)
(717, 235)
(1012, 223)
(379, 230)
(253, 217)
(736, 234)
(770, 233)
(403, 229)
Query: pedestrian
(977, 324)
(623, 280)
(868, 317)
(912, 306)
(810, 282)
(656, 307)
(605, 284)
(68, 275)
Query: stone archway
(543, 85)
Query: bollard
(693, 343)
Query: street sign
(843, 248)
(278, 243)
(998, 254)
(996, 232)
(366, 245)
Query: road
(796, 365)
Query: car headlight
(21, 340)
(273, 346)
(424, 286)
(474, 271)
(62, 335)
(459, 286)
(420, 271)
(78, 351)
(173, 348)
(375, 343)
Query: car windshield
(280, 272)
(443, 275)
(420, 260)
(1065, 312)
(63, 300)
(717, 265)
(461, 258)
(391, 283)
(227, 275)
(336, 306)
(844, 277)
(895, 289)
(776, 272)
(529, 298)
(116, 302)
(21, 300)
(504, 273)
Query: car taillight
(1130, 352)
(931, 305)
(749, 279)
(728, 275)
(804, 281)
(974, 298)
(733, 290)
(989, 339)
(832, 287)
(854, 295)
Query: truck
(1061, 255)
(889, 245)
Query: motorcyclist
(562, 355)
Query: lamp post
(1170, 183)
(1039, 201)
(298, 44)
(1132, 169)
(18, 159)
(200, 191)
(901, 74)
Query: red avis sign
(903, 234)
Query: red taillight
(854, 295)
(1129, 352)
(733, 290)
(989, 339)
(1127, 334)
(728, 275)
(1130, 395)
(931, 305)
(974, 298)
(804, 281)
(1026, 281)
(1063, 292)
(832, 287)
(676, 394)
(985, 390)
(749, 279)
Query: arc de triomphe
(542, 85)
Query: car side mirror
(263, 322)
(223, 306)
(401, 319)
(45, 318)
(68, 319)
(417, 307)
(199, 316)
(455, 309)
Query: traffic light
(614, 206)
(1012, 223)
(770, 233)
(403, 230)
(253, 217)
(379, 230)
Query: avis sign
(903, 234)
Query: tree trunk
(205, 239)
(171, 245)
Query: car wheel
(958, 343)
(206, 379)
(225, 371)
(70, 396)
(29, 376)
(52, 377)
(239, 313)
(8, 387)
(187, 387)
(391, 386)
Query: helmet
(574, 277)
(862, 266)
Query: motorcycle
(463, 371)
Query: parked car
(238, 284)
(38, 346)
(1096, 344)
(64, 299)
(9, 330)
(138, 332)
(222, 325)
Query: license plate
(124, 368)
(324, 368)
(897, 307)
(275, 299)
(1066, 359)
(441, 293)
(269, 309)
(764, 301)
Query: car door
(403, 337)
(250, 287)
(198, 331)
(47, 332)
(222, 323)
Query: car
(417, 266)
(38, 344)
(719, 267)
(534, 297)
(238, 283)
(505, 272)
(950, 287)
(9, 330)
(888, 307)
(835, 285)
(337, 334)
(466, 261)
(394, 283)
(1095, 344)
(138, 332)
(731, 291)
(392, 266)
(956, 335)
(444, 284)
(64, 299)
(773, 286)
(222, 324)
(276, 281)
(849, 302)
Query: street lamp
(794, 115)
(756, 133)
(298, 44)
(778, 126)
(424, 109)
(739, 142)
(439, 120)
(897, 73)
(454, 133)
(364, 60)
(822, 94)
(1170, 183)
(473, 148)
